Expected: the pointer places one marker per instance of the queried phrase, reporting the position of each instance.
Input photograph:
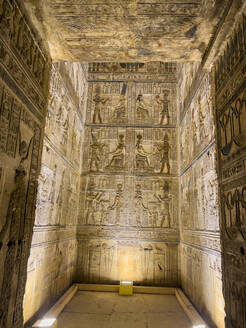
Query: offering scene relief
(129, 183)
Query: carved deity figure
(103, 211)
(108, 253)
(15, 225)
(139, 204)
(164, 201)
(210, 199)
(204, 113)
(164, 102)
(92, 199)
(99, 106)
(62, 120)
(96, 148)
(142, 108)
(42, 206)
(117, 159)
(14, 221)
(119, 113)
(76, 143)
(51, 197)
(142, 159)
(51, 115)
(118, 203)
(163, 150)
(195, 129)
(59, 200)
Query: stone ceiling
(126, 30)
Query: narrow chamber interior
(122, 152)
(128, 187)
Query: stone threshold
(49, 320)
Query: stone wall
(128, 223)
(24, 79)
(199, 217)
(52, 262)
(230, 104)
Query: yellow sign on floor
(126, 288)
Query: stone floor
(109, 310)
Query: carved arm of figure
(159, 100)
(98, 196)
(101, 146)
(24, 148)
(98, 99)
(142, 151)
(103, 201)
(118, 150)
(158, 197)
(104, 100)
(116, 201)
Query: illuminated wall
(200, 249)
(52, 262)
(128, 222)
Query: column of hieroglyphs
(230, 110)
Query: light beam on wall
(46, 323)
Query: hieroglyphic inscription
(134, 202)
(20, 140)
(144, 262)
(199, 216)
(132, 103)
(59, 189)
(230, 99)
(129, 186)
(15, 29)
(24, 70)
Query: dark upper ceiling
(126, 30)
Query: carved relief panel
(196, 136)
(201, 270)
(199, 195)
(148, 151)
(129, 186)
(230, 78)
(54, 266)
(58, 192)
(20, 137)
(58, 197)
(52, 261)
(127, 201)
(187, 80)
(59, 116)
(143, 262)
(132, 102)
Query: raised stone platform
(101, 306)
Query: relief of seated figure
(117, 160)
(142, 158)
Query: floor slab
(109, 310)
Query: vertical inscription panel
(20, 139)
(23, 92)
(230, 99)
